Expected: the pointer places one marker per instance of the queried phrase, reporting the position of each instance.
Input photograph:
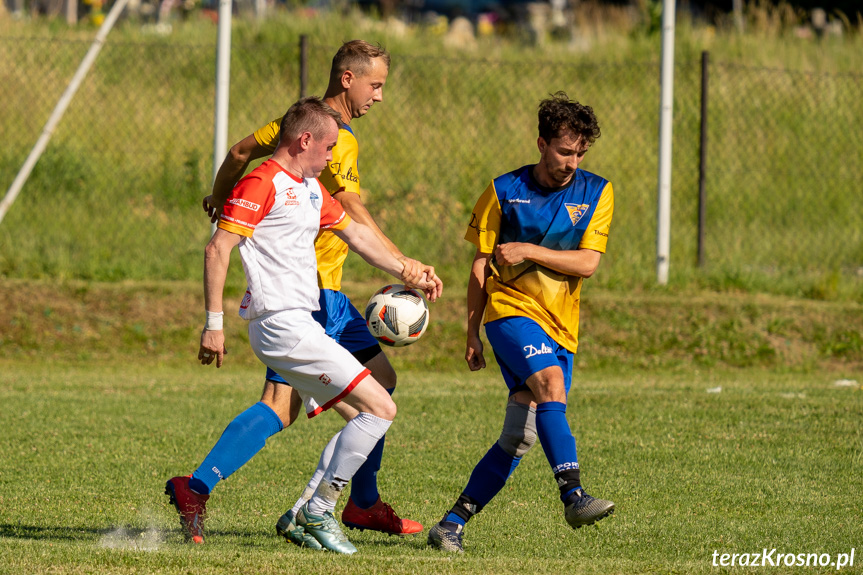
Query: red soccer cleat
(191, 506)
(378, 517)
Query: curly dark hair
(558, 114)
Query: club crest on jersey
(576, 211)
(291, 198)
(316, 200)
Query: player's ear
(347, 79)
(541, 144)
(305, 140)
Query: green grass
(773, 460)
(102, 401)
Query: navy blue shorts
(345, 324)
(523, 348)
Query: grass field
(714, 423)
(772, 460)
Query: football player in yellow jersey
(359, 72)
(538, 231)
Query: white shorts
(296, 347)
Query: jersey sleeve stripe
(242, 229)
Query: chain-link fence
(117, 193)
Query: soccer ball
(397, 315)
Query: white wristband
(214, 320)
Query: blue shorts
(523, 348)
(345, 324)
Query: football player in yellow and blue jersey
(357, 77)
(538, 231)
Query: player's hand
(429, 283)
(511, 254)
(212, 209)
(473, 354)
(413, 271)
(212, 347)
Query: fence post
(702, 167)
(304, 64)
(663, 211)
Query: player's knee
(519, 429)
(386, 409)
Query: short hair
(309, 114)
(559, 114)
(357, 56)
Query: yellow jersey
(514, 208)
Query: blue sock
(488, 478)
(558, 443)
(453, 518)
(364, 484)
(241, 440)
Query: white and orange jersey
(279, 216)
(341, 175)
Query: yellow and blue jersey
(515, 208)
(341, 175)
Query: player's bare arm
(356, 209)
(363, 240)
(581, 262)
(230, 172)
(476, 300)
(217, 256)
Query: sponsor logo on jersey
(325, 379)
(576, 211)
(517, 201)
(316, 200)
(531, 351)
(351, 177)
(291, 198)
(599, 233)
(245, 204)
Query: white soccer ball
(397, 315)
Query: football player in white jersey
(273, 216)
